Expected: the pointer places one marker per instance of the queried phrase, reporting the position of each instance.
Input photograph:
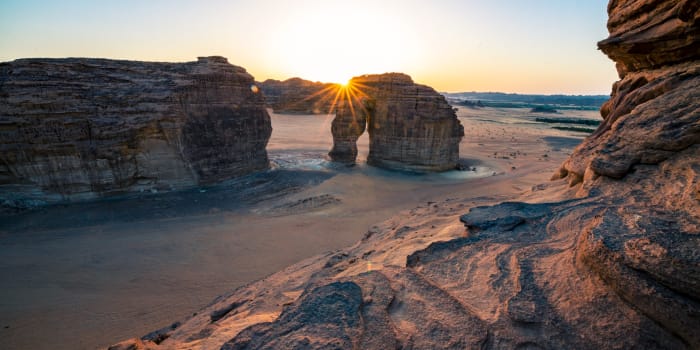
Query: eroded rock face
(298, 96)
(652, 113)
(650, 34)
(411, 126)
(81, 128)
(348, 125)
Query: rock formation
(612, 262)
(411, 126)
(80, 128)
(298, 96)
(348, 125)
(651, 114)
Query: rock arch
(411, 126)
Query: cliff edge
(82, 128)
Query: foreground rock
(652, 114)
(612, 262)
(298, 96)
(411, 126)
(81, 128)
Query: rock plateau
(613, 261)
(80, 128)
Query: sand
(87, 275)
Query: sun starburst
(350, 94)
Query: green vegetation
(470, 104)
(543, 109)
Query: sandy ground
(86, 275)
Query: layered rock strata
(80, 128)
(612, 262)
(349, 124)
(652, 114)
(298, 96)
(411, 126)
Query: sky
(522, 46)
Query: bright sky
(525, 46)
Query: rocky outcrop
(348, 125)
(652, 114)
(650, 34)
(411, 126)
(613, 262)
(298, 96)
(81, 128)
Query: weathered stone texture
(349, 124)
(650, 34)
(652, 113)
(80, 128)
(411, 126)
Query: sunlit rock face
(79, 128)
(653, 112)
(298, 96)
(642, 166)
(411, 126)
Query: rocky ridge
(298, 96)
(610, 262)
(652, 114)
(411, 126)
(81, 128)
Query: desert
(195, 205)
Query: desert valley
(156, 205)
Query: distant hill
(298, 96)
(505, 100)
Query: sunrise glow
(450, 45)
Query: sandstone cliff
(298, 96)
(411, 126)
(80, 128)
(612, 262)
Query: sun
(349, 96)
